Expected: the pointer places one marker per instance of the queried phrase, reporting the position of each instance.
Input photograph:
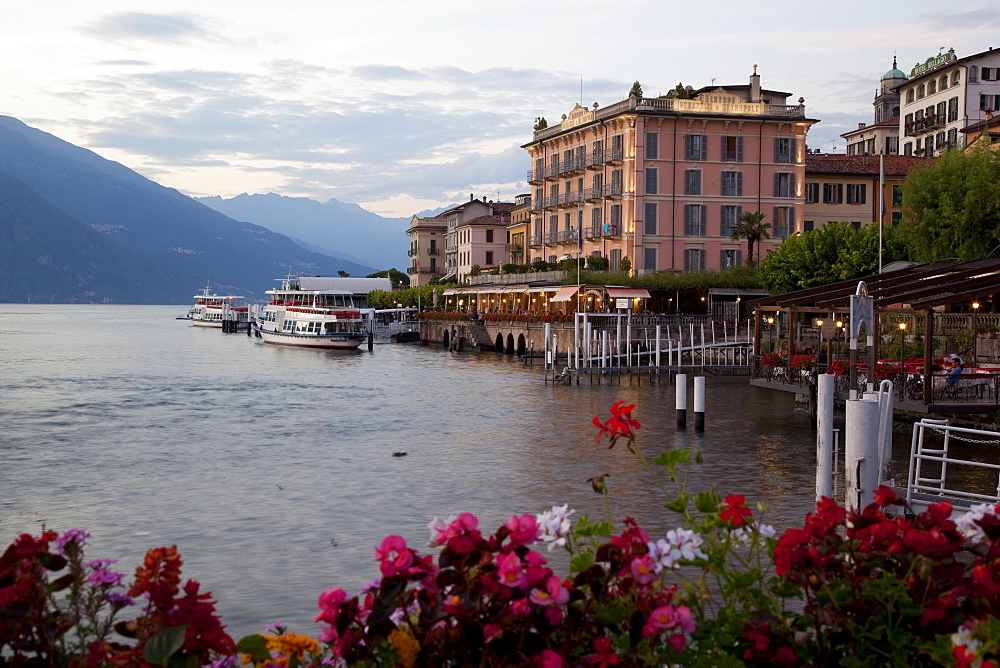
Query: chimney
(861, 125)
(755, 85)
(471, 197)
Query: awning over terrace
(628, 293)
(565, 293)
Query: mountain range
(78, 228)
(323, 227)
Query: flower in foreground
(394, 556)
(680, 545)
(734, 510)
(555, 526)
(618, 425)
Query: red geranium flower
(619, 424)
(734, 510)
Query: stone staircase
(479, 336)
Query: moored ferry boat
(306, 311)
(209, 310)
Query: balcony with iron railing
(434, 251)
(514, 248)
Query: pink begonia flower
(644, 569)
(667, 617)
(520, 607)
(553, 594)
(537, 571)
(492, 631)
(394, 555)
(329, 604)
(511, 572)
(677, 642)
(459, 532)
(524, 530)
(551, 660)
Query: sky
(406, 106)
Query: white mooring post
(682, 399)
(824, 436)
(659, 339)
(548, 345)
(861, 453)
(699, 403)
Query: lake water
(272, 468)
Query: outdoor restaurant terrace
(921, 313)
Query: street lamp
(975, 334)
(902, 342)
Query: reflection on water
(272, 470)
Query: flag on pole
(579, 238)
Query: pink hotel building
(662, 181)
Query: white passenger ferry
(210, 310)
(307, 311)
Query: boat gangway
(951, 463)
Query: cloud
(171, 28)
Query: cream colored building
(428, 237)
(845, 188)
(945, 94)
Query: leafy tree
(752, 228)
(342, 273)
(476, 270)
(398, 278)
(540, 123)
(625, 266)
(835, 252)
(952, 208)
(541, 265)
(597, 263)
(636, 90)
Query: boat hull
(326, 341)
(196, 322)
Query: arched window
(932, 87)
(944, 81)
(921, 92)
(909, 96)
(973, 74)
(956, 78)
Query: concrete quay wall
(513, 337)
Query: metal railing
(935, 474)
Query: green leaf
(163, 645)
(581, 562)
(678, 505)
(706, 502)
(255, 646)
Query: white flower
(679, 545)
(555, 525)
(967, 523)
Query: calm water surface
(272, 468)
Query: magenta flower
(524, 530)
(329, 604)
(394, 555)
(520, 607)
(644, 569)
(667, 617)
(511, 572)
(553, 594)
(551, 660)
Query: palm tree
(753, 230)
